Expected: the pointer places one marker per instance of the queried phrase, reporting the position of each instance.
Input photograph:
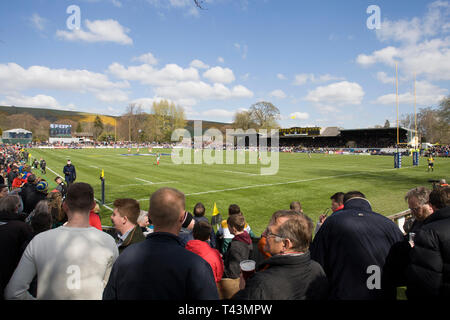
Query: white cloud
(15, 78)
(98, 31)
(146, 74)
(427, 94)
(38, 101)
(198, 64)
(299, 115)
(384, 78)
(220, 60)
(218, 113)
(281, 76)
(303, 78)
(38, 22)
(339, 93)
(416, 29)
(278, 94)
(219, 75)
(112, 96)
(147, 58)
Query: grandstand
(15, 136)
(335, 137)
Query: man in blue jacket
(352, 246)
(160, 268)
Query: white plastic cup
(248, 268)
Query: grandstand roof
(18, 130)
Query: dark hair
(199, 210)
(202, 230)
(80, 197)
(128, 208)
(296, 206)
(58, 177)
(338, 197)
(3, 186)
(234, 209)
(353, 194)
(440, 198)
(236, 221)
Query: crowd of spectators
(52, 246)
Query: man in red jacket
(201, 233)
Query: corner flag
(216, 217)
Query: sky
(321, 63)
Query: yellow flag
(215, 210)
(293, 117)
(103, 173)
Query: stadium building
(15, 136)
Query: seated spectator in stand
(160, 268)
(289, 274)
(349, 242)
(14, 234)
(71, 262)
(200, 246)
(94, 217)
(394, 270)
(225, 234)
(428, 273)
(144, 223)
(296, 206)
(199, 215)
(55, 205)
(240, 247)
(337, 203)
(124, 219)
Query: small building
(15, 136)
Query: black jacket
(70, 173)
(13, 235)
(240, 249)
(286, 277)
(30, 197)
(160, 268)
(348, 243)
(428, 274)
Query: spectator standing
(337, 203)
(14, 233)
(199, 215)
(160, 268)
(62, 188)
(72, 261)
(240, 247)
(350, 242)
(94, 217)
(428, 274)
(70, 173)
(224, 233)
(124, 219)
(200, 246)
(289, 274)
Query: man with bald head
(160, 268)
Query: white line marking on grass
(144, 180)
(94, 167)
(104, 205)
(53, 172)
(282, 183)
(145, 184)
(241, 172)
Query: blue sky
(316, 60)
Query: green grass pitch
(311, 181)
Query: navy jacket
(160, 268)
(348, 243)
(69, 173)
(428, 274)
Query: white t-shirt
(71, 264)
